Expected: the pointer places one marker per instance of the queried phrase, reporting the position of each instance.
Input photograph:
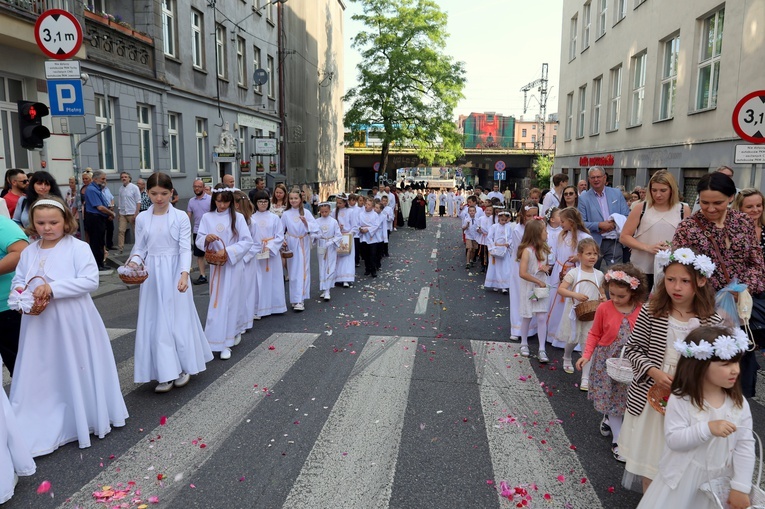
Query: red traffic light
(30, 124)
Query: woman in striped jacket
(682, 301)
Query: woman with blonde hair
(751, 202)
(652, 224)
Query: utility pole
(541, 85)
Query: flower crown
(724, 347)
(225, 189)
(686, 256)
(620, 275)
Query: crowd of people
(561, 258)
(564, 264)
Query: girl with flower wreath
(610, 331)
(682, 300)
(708, 425)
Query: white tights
(616, 427)
(541, 330)
(567, 351)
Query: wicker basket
(718, 489)
(40, 304)
(134, 279)
(619, 369)
(656, 397)
(211, 255)
(585, 311)
(286, 253)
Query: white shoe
(256, 317)
(182, 380)
(504, 291)
(225, 354)
(326, 296)
(542, 356)
(163, 387)
(237, 339)
(298, 307)
(524, 351)
(346, 285)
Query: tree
(542, 167)
(406, 84)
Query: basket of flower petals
(133, 273)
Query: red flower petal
(44, 487)
(163, 420)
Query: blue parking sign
(66, 99)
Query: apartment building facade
(186, 87)
(652, 84)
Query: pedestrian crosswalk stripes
(356, 458)
(211, 415)
(359, 442)
(522, 419)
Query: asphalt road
(400, 392)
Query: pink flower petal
(163, 420)
(153, 499)
(44, 487)
(562, 478)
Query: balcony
(118, 45)
(30, 9)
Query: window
(11, 90)
(669, 78)
(523, 133)
(173, 135)
(534, 140)
(241, 65)
(256, 65)
(572, 42)
(581, 111)
(597, 87)
(197, 39)
(709, 61)
(168, 27)
(258, 159)
(270, 71)
(220, 50)
(106, 139)
(201, 138)
(270, 11)
(569, 114)
(620, 10)
(533, 127)
(615, 96)
(586, 22)
(242, 144)
(602, 13)
(144, 138)
(98, 6)
(638, 88)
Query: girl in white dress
(328, 239)
(707, 426)
(279, 204)
(681, 300)
(484, 226)
(267, 237)
(530, 211)
(65, 384)
(572, 231)
(170, 344)
(15, 458)
(299, 227)
(246, 269)
(432, 199)
(498, 244)
(225, 230)
(580, 284)
(346, 218)
(532, 259)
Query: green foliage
(405, 81)
(542, 167)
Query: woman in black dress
(417, 212)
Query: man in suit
(596, 207)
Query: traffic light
(30, 124)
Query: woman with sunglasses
(570, 197)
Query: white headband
(224, 189)
(52, 203)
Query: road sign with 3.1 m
(500, 175)
(58, 34)
(749, 117)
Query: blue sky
(503, 44)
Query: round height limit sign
(749, 117)
(58, 34)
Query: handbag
(345, 245)
(718, 489)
